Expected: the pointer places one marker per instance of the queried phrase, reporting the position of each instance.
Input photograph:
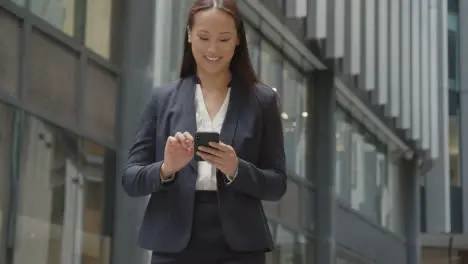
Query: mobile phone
(203, 139)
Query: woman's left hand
(221, 156)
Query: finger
(172, 141)
(210, 158)
(188, 136)
(188, 139)
(212, 151)
(182, 140)
(221, 146)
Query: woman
(209, 211)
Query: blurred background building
(445, 213)
(365, 89)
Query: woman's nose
(212, 47)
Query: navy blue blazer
(252, 127)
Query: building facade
(444, 226)
(362, 87)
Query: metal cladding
(397, 48)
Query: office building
(362, 87)
(445, 211)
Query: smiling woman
(217, 92)
(215, 39)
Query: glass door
(61, 197)
(72, 235)
(83, 241)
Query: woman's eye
(203, 38)
(225, 40)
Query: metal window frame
(29, 21)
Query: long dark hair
(240, 65)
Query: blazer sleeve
(141, 175)
(267, 180)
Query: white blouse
(206, 172)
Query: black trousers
(207, 244)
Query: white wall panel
(405, 62)
(335, 47)
(434, 80)
(394, 84)
(353, 38)
(296, 8)
(368, 45)
(424, 57)
(415, 71)
(317, 19)
(382, 51)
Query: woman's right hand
(178, 152)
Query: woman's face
(214, 38)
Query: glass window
(99, 21)
(454, 150)
(60, 14)
(453, 50)
(98, 167)
(46, 163)
(294, 106)
(453, 5)
(394, 208)
(357, 169)
(19, 2)
(62, 197)
(305, 251)
(285, 245)
(369, 204)
(291, 248)
(343, 158)
(271, 65)
(6, 121)
(290, 205)
(253, 42)
(271, 208)
(179, 23)
(362, 177)
(387, 191)
(453, 59)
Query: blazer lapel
(187, 92)
(229, 128)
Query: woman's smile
(212, 58)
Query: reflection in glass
(453, 50)
(388, 194)
(368, 206)
(271, 64)
(60, 14)
(291, 248)
(46, 162)
(177, 29)
(357, 170)
(294, 116)
(343, 158)
(362, 176)
(6, 120)
(290, 204)
(19, 2)
(285, 245)
(99, 26)
(61, 197)
(96, 158)
(454, 150)
(304, 250)
(253, 42)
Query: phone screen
(203, 139)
